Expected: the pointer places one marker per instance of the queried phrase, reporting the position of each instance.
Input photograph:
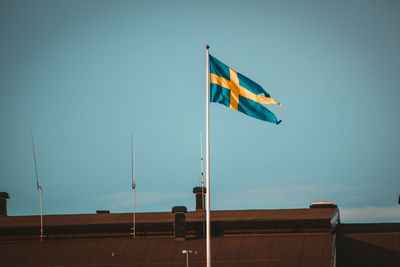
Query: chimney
(200, 192)
(180, 222)
(3, 203)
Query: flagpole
(208, 228)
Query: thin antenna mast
(133, 148)
(201, 159)
(202, 180)
(38, 187)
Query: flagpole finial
(207, 46)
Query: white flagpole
(208, 226)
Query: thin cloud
(269, 197)
(295, 196)
(370, 214)
(123, 199)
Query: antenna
(133, 152)
(38, 187)
(202, 179)
(201, 160)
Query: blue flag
(238, 92)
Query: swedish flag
(238, 92)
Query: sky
(83, 75)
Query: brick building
(308, 237)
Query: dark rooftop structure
(3, 203)
(293, 237)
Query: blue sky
(83, 74)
